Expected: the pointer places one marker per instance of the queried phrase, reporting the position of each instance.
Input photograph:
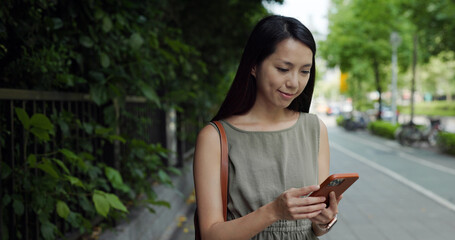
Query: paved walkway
(380, 207)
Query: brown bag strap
(224, 166)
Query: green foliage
(359, 43)
(175, 53)
(383, 129)
(435, 79)
(67, 179)
(340, 120)
(446, 142)
(435, 108)
(434, 21)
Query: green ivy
(69, 180)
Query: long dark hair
(262, 42)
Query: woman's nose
(293, 81)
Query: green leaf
(62, 209)
(102, 205)
(160, 203)
(86, 204)
(136, 41)
(175, 171)
(102, 131)
(113, 175)
(86, 41)
(6, 200)
(57, 22)
(47, 167)
(164, 178)
(151, 210)
(41, 121)
(31, 160)
(41, 134)
(18, 207)
(23, 117)
(88, 156)
(5, 170)
(48, 230)
(113, 138)
(99, 94)
(64, 127)
(104, 60)
(149, 93)
(87, 127)
(62, 165)
(68, 154)
(98, 77)
(115, 178)
(99, 14)
(107, 24)
(75, 181)
(115, 202)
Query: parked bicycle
(354, 121)
(410, 134)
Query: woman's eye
(305, 72)
(282, 69)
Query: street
(403, 193)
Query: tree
(360, 33)
(435, 76)
(435, 24)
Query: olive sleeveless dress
(262, 165)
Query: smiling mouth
(287, 94)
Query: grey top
(262, 165)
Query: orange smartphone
(337, 183)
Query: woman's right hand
(293, 204)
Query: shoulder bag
(223, 175)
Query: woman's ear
(253, 71)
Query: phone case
(337, 183)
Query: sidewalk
(378, 207)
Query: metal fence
(12, 145)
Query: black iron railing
(54, 104)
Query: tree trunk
(449, 95)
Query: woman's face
(283, 75)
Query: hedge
(446, 142)
(383, 129)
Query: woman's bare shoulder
(208, 138)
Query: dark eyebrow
(290, 64)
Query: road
(403, 193)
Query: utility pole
(413, 83)
(395, 40)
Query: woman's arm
(324, 153)
(324, 170)
(288, 205)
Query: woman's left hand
(329, 213)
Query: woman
(278, 152)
